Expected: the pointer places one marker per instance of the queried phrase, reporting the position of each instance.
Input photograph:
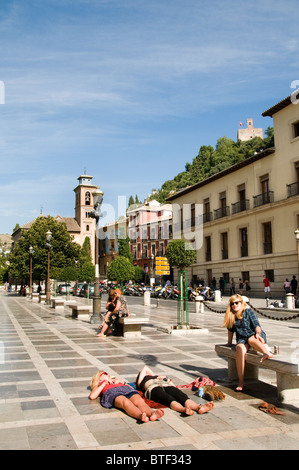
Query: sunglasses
(235, 303)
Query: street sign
(162, 266)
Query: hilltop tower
(250, 132)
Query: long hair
(96, 379)
(230, 316)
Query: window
(208, 248)
(87, 198)
(244, 242)
(267, 237)
(153, 250)
(245, 276)
(224, 244)
(269, 273)
(265, 184)
(192, 215)
(207, 215)
(266, 196)
(295, 130)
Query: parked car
(87, 290)
(77, 288)
(65, 289)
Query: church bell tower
(83, 206)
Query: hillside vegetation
(210, 161)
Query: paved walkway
(47, 360)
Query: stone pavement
(47, 360)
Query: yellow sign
(162, 266)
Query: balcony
(264, 198)
(293, 189)
(222, 212)
(207, 217)
(240, 206)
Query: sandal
(273, 410)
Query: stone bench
(35, 296)
(287, 373)
(78, 310)
(42, 298)
(57, 304)
(129, 326)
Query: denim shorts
(107, 400)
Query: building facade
(251, 211)
(149, 230)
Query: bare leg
(153, 414)
(130, 408)
(199, 408)
(103, 330)
(176, 406)
(260, 346)
(241, 350)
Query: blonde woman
(241, 319)
(115, 393)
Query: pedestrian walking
(267, 286)
(294, 285)
(287, 286)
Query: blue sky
(129, 90)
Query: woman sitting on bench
(116, 307)
(241, 319)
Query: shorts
(107, 400)
(267, 289)
(245, 340)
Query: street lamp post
(31, 251)
(48, 245)
(96, 214)
(296, 233)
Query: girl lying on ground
(162, 390)
(114, 393)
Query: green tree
(181, 257)
(124, 248)
(86, 272)
(139, 274)
(85, 254)
(64, 251)
(121, 270)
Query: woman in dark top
(113, 306)
(241, 319)
(162, 390)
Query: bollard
(199, 306)
(147, 298)
(217, 296)
(290, 301)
